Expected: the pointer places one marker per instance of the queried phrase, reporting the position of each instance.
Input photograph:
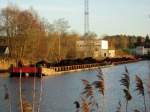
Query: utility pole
(86, 17)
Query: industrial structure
(92, 48)
(86, 17)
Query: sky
(107, 17)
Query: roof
(147, 46)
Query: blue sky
(109, 17)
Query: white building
(92, 48)
(142, 50)
(111, 53)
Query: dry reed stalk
(41, 92)
(119, 107)
(20, 91)
(140, 89)
(33, 95)
(85, 105)
(100, 85)
(125, 81)
(27, 107)
(88, 89)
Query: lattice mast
(86, 17)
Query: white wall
(111, 53)
(141, 50)
(104, 44)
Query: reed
(90, 88)
(100, 85)
(20, 91)
(119, 107)
(125, 82)
(140, 89)
(41, 93)
(33, 95)
(85, 105)
(27, 106)
(88, 95)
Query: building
(92, 48)
(111, 53)
(4, 50)
(142, 50)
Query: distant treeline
(126, 42)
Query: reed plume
(88, 94)
(27, 106)
(140, 89)
(100, 83)
(125, 81)
(88, 89)
(127, 94)
(85, 105)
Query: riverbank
(48, 69)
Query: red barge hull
(25, 71)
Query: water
(59, 92)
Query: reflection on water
(59, 92)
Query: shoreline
(55, 73)
(78, 70)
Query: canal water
(59, 92)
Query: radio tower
(86, 17)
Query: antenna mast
(86, 17)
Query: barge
(25, 71)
